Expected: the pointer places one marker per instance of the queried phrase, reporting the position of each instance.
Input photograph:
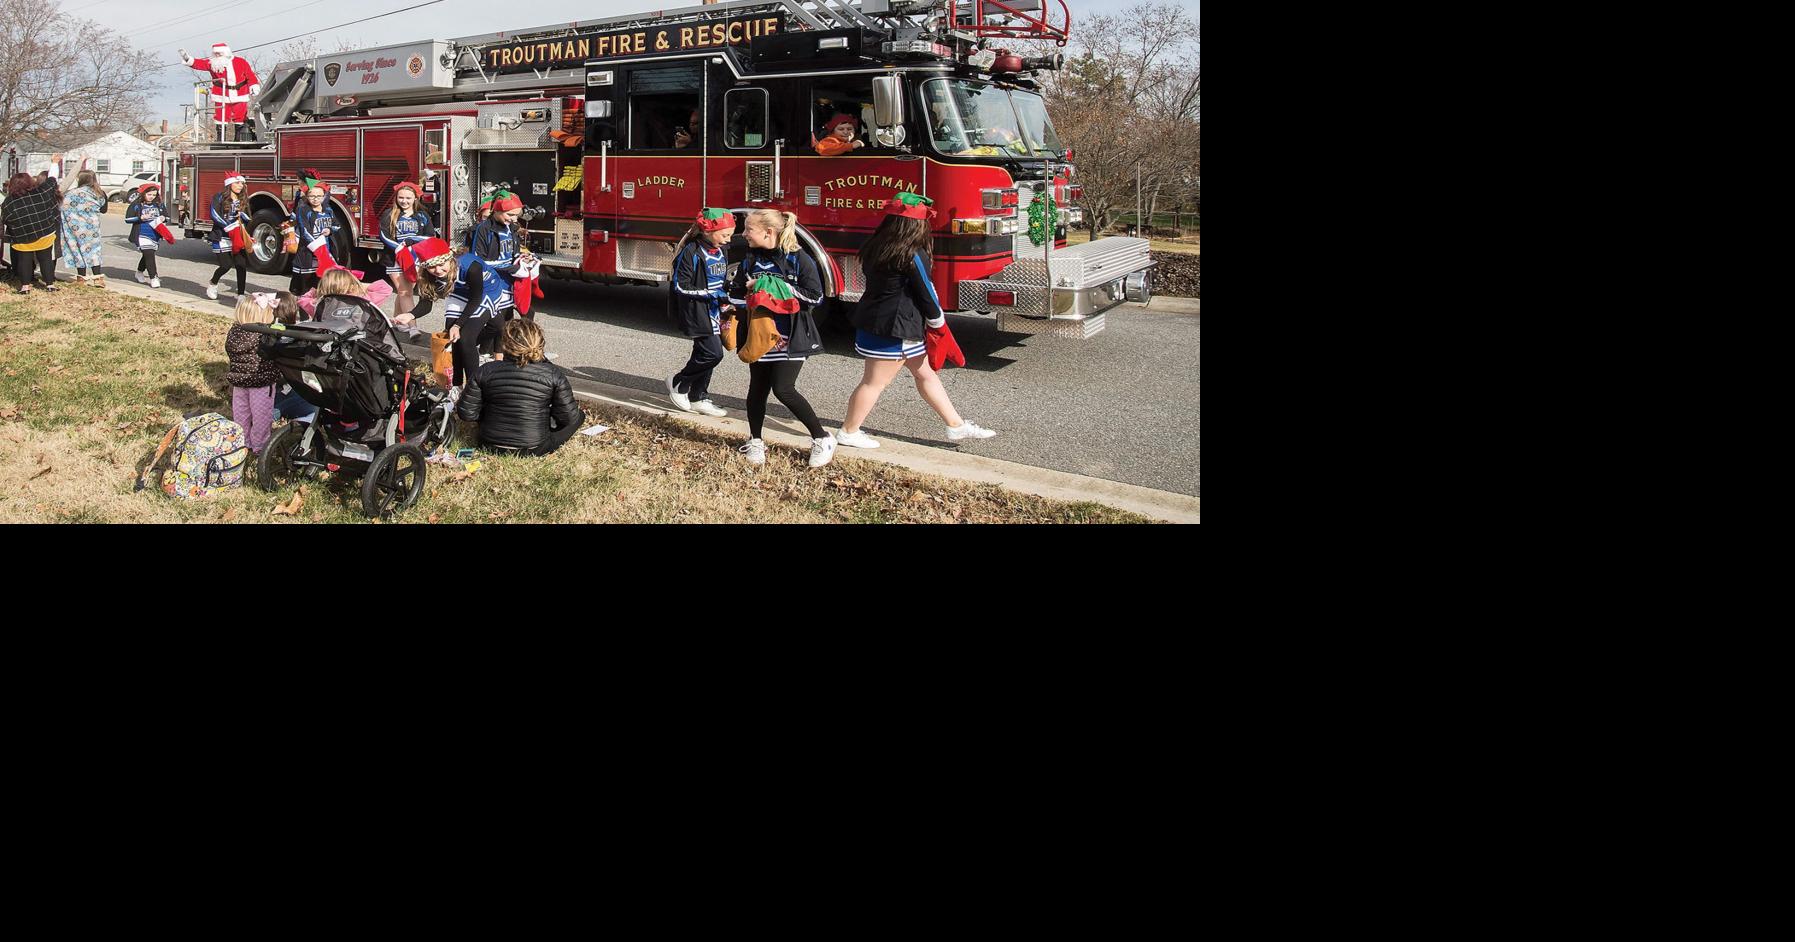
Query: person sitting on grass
(288, 403)
(521, 402)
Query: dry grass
(89, 381)
(1189, 245)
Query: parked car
(135, 180)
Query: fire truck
(615, 132)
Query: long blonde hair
(340, 281)
(786, 224)
(521, 341)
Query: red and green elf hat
(910, 205)
(308, 178)
(774, 294)
(504, 201)
(710, 219)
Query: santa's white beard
(219, 66)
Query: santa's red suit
(233, 83)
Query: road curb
(1026, 479)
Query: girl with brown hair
(31, 223)
(81, 209)
(521, 402)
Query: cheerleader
(773, 250)
(144, 228)
(315, 224)
(472, 311)
(229, 238)
(404, 224)
(699, 306)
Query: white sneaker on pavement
(155, 282)
(855, 439)
(212, 292)
(822, 451)
(680, 401)
(755, 451)
(142, 278)
(708, 408)
(967, 429)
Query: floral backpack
(210, 454)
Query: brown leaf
(47, 469)
(12, 372)
(918, 497)
(433, 518)
(229, 515)
(9, 413)
(43, 457)
(292, 506)
(497, 514)
(55, 369)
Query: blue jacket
(695, 293)
(479, 291)
(496, 245)
(221, 217)
(403, 231)
(310, 225)
(141, 217)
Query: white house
(112, 157)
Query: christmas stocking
(525, 286)
(321, 249)
(239, 241)
(939, 342)
(162, 230)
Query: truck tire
(835, 316)
(265, 255)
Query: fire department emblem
(414, 66)
(331, 71)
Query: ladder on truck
(291, 84)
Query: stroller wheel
(394, 481)
(276, 465)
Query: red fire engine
(614, 133)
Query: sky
(166, 26)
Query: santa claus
(233, 84)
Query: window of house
(745, 118)
(102, 166)
(665, 112)
(136, 166)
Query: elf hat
(308, 178)
(840, 119)
(423, 254)
(711, 219)
(234, 178)
(772, 293)
(504, 201)
(910, 205)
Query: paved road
(1123, 406)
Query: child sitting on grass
(252, 378)
(288, 403)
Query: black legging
(467, 349)
(557, 436)
(225, 262)
(45, 260)
(147, 263)
(780, 377)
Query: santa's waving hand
(233, 84)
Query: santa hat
(711, 219)
(416, 190)
(910, 205)
(772, 293)
(840, 119)
(234, 178)
(221, 49)
(504, 201)
(423, 254)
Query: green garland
(1043, 216)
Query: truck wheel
(265, 255)
(835, 316)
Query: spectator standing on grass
(81, 209)
(773, 251)
(252, 377)
(700, 305)
(32, 220)
(895, 316)
(521, 402)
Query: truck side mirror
(888, 100)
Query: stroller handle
(297, 333)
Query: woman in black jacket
(522, 401)
(894, 316)
(33, 216)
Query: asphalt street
(1124, 406)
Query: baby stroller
(373, 416)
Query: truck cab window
(745, 118)
(830, 100)
(665, 108)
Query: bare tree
(63, 80)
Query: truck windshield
(1036, 125)
(972, 119)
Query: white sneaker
(755, 450)
(967, 430)
(485, 358)
(855, 439)
(680, 401)
(142, 278)
(212, 292)
(155, 282)
(822, 451)
(708, 408)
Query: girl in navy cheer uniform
(699, 305)
(472, 312)
(228, 221)
(405, 224)
(894, 317)
(315, 225)
(773, 250)
(145, 228)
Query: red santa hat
(234, 178)
(144, 189)
(421, 255)
(221, 49)
(840, 119)
(417, 192)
